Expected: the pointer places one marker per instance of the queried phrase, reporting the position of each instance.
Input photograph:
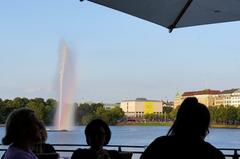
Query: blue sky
(117, 56)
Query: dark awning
(178, 13)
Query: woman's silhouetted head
(97, 134)
(193, 119)
(22, 128)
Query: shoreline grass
(170, 124)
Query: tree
(86, 109)
(152, 117)
(4, 112)
(103, 114)
(8, 103)
(86, 112)
(173, 113)
(231, 114)
(38, 106)
(86, 119)
(222, 114)
(25, 101)
(51, 102)
(238, 113)
(167, 110)
(116, 114)
(2, 104)
(50, 109)
(213, 112)
(18, 102)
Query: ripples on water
(142, 135)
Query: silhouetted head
(192, 120)
(97, 134)
(43, 133)
(22, 128)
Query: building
(210, 97)
(206, 97)
(231, 97)
(141, 106)
(178, 100)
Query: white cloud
(32, 90)
(39, 90)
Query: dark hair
(192, 119)
(21, 126)
(93, 128)
(43, 132)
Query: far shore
(170, 124)
(163, 124)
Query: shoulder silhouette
(42, 149)
(98, 134)
(185, 139)
(22, 133)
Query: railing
(230, 153)
(119, 148)
(233, 153)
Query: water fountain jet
(66, 85)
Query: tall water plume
(66, 85)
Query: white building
(141, 106)
(231, 97)
(209, 97)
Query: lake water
(142, 136)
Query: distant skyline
(118, 57)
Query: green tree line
(45, 110)
(86, 112)
(227, 115)
(222, 115)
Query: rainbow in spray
(66, 85)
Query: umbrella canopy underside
(178, 13)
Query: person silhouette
(98, 134)
(22, 132)
(185, 139)
(44, 150)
